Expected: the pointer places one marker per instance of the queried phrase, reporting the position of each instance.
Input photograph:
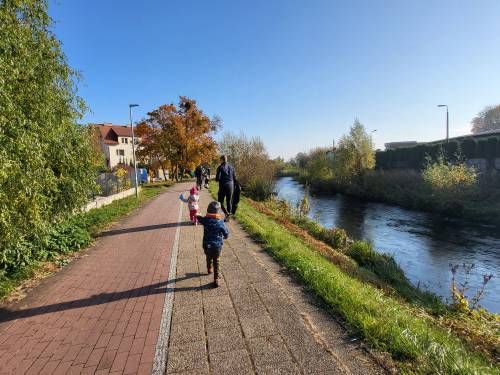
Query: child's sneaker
(216, 283)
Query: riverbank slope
(413, 336)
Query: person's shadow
(114, 232)
(98, 299)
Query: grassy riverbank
(69, 237)
(406, 188)
(421, 337)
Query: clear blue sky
(296, 73)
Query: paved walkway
(258, 320)
(104, 312)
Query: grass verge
(409, 335)
(67, 238)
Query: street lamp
(130, 106)
(447, 122)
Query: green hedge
(414, 157)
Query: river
(423, 244)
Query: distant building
(396, 145)
(476, 136)
(116, 142)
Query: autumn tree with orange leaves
(179, 137)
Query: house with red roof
(116, 143)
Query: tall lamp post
(447, 122)
(130, 106)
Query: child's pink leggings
(192, 215)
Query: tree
(46, 171)
(355, 153)
(254, 169)
(486, 120)
(182, 135)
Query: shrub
(449, 182)
(259, 189)
(254, 170)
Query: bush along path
(417, 341)
(64, 242)
(258, 321)
(102, 312)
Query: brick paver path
(258, 320)
(101, 313)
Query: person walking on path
(226, 177)
(198, 173)
(214, 233)
(193, 204)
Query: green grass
(74, 235)
(389, 325)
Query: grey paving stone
(186, 312)
(268, 350)
(218, 319)
(225, 339)
(258, 326)
(187, 296)
(217, 302)
(231, 362)
(186, 332)
(187, 357)
(284, 368)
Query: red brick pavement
(101, 314)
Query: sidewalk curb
(160, 359)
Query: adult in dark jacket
(198, 173)
(226, 177)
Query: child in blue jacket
(214, 233)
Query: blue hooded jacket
(214, 231)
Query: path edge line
(160, 360)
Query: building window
(120, 152)
(125, 140)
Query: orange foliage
(181, 136)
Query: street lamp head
(442, 105)
(133, 105)
(373, 131)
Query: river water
(423, 244)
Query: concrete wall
(103, 201)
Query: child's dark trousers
(212, 256)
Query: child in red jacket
(192, 202)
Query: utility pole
(447, 122)
(130, 106)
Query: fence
(110, 184)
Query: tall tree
(46, 170)
(181, 134)
(355, 153)
(486, 120)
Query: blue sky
(296, 73)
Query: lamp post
(447, 122)
(130, 106)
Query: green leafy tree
(46, 171)
(486, 120)
(355, 153)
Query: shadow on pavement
(115, 232)
(99, 299)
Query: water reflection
(423, 244)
